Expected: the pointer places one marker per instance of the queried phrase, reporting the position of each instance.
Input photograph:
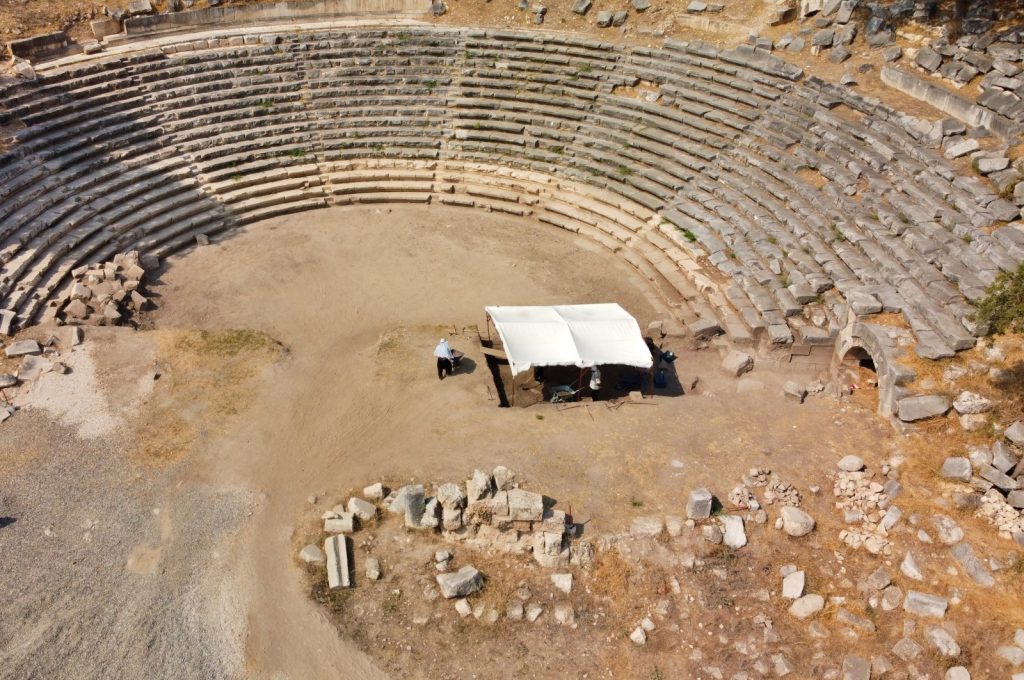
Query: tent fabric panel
(569, 335)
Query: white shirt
(443, 351)
(595, 378)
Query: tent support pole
(513, 389)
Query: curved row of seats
(758, 204)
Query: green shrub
(1002, 308)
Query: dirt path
(357, 296)
(190, 572)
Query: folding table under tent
(569, 335)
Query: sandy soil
(197, 549)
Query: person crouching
(444, 359)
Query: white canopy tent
(569, 335)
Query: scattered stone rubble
(992, 474)
(36, 358)
(490, 513)
(108, 294)
(866, 504)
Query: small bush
(1002, 308)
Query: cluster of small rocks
(993, 474)
(867, 504)
(36, 358)
(107, 294)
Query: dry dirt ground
(157, 492)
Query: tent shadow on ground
(494, 366)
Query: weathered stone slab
(461, 583)
(912, 409)
(415, 505)
(793, 585)
(734, 535)
(796, 522)
(1015, 433)
(794, 391)
(737, 363)
(364, 510)
(856, 668)
(525, 506)
(312, 554)
(22, 348)
(698, 506)
(999, 479)
(339, 572)
(343, 523)
(924, 604)
(964, 554)
(956, 467)
(807, 606)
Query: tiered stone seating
(691, 164)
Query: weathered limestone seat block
(696, 166)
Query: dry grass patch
(891, 319)
(204, 378)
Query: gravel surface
(74, 518)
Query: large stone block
(525, 506)
(339, 572)
(364, 510)
(971, 403)
(734, 535)
(101, 28)
(1015, 433)
(807, 606)
(956, 467)
(999, 479)
(549, 549)
(928, 59)
(450, 496)
(343, 523)
(461, 583)
(479, 486)
(911, 409)
(698, 506)
(924, 604)
(415, 504)
(796, 522)
(22, 348)
(856, 668)
(737, 363)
